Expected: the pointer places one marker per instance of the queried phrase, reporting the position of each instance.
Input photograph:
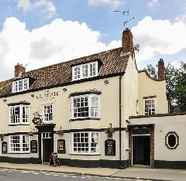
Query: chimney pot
(161, 70)
(19, 70)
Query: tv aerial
(125, 13)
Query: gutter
(120, 117)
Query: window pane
(85, 142)
(25, 114)
(77, 73)
(149, 107)
(94, 106)
(93, 69)
(85, 70)
(80, 107)
(15, 114)
(48, 113)
(15, 144)
(25, 143)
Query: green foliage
(176, 86)
(180, 89)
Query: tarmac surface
(10, 170)
(21, 175)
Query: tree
(151, 70)
(176, 86)
(180, 89)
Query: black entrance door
(141, 150)
(47, 149)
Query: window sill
(85, 78)
(21, 124)
(48, 122)
(83, 119)
(18, 152)
(85, 154)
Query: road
(20, 175)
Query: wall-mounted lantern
(60, 131)
(2, 137)
(109, 131)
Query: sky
(38, 33)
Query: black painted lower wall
(74, 163)
(95, 163)
(170, 164)
(20, 160)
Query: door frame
(132, 147)
(150, 133)
(43, 128)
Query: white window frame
(176, 139)
(20, 85)
(151, 112)
(90, 151)
(44, 113)
(10, 148)
(90, 106)
(46, 135)
(85, 71)
(21, 118)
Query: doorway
(141, 150)
(47, 146)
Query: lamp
(109, 131)
(60, 131)
(2, 137)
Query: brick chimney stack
(127, 41)
(161, 70)
(19, 70)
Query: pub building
(94, 111)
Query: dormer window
(20, 85)
(84, 71)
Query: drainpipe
(120, 117)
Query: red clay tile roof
(112, 63)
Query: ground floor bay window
(85, 142)
(19, 144)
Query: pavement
(129, 173)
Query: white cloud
(44, 6)
(55, 42)
(63, 40)
(159, 37)
(112, 3)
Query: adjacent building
(98, 110)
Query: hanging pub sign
(61, 146)
(110, 147)
(4, 147)
(33, 146)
